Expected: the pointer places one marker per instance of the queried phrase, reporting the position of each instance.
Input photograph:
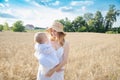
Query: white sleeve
(47, 50)
(37, 51)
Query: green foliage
(67, 25)
(111, 17)
(82, 29)
(118, 29)
(18, 26)
(90, 23)
(1, 27)
(78, 22)
(111, 32)
(5, 26)
(99, 22)
(11, 28)
(88, 16)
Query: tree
(118, 29)
(88, 16)
(99, 22)
(1, 27)
(110, 18)
(68, 25)
(18, 26)
(6, 26)
(91, 25)
(82, 29)
(77, 23)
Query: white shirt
(46, 55)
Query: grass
(93, 56)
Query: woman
(61, 46)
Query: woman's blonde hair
(61, 38)
(59, 29)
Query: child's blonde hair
(39, 37)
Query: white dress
(59, 75)
(56, 75)
(47, 59)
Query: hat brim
(48, 30)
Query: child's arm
(59, 70)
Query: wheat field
(92, 56)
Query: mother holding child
(52, 52)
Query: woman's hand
(50, 73)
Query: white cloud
(83, 8)
(39, 16)
(7, 5)
(8, 20)
(2, 5)
(66, 9)
(80, 3)
(56, 3)
(35, 3)
(6, 0)
(7, 10)
(45, 0)
(42, 16)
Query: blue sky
(43, 12)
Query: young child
(45, 54)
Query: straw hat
(56, 26)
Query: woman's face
(54, 33)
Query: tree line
(87, 23)
(16, 27)
(93, 22)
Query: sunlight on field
(92, 56)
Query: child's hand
(59, 70)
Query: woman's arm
(63, 62)
(65, 57)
